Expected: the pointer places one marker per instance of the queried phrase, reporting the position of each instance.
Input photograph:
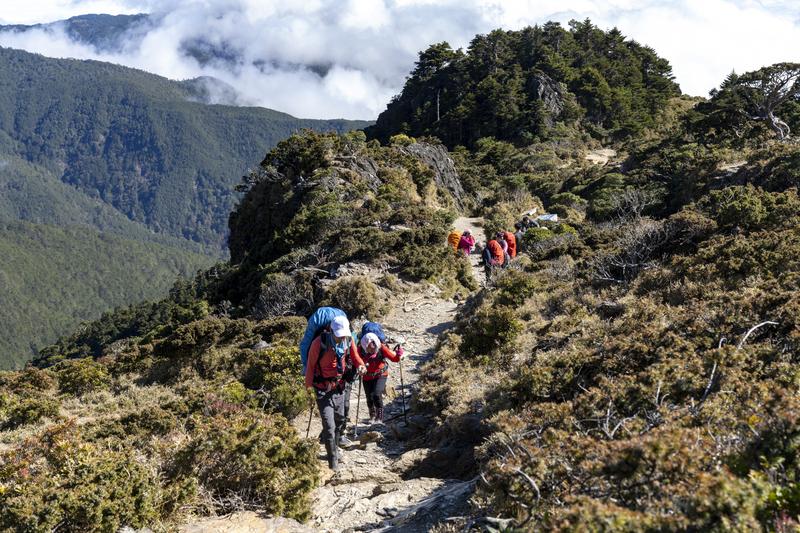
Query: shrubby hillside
(637, 366)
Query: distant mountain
(104, 32)
(137, 141)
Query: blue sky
(370, 45)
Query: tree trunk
(780, 127)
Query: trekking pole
(358, 405)
(310, 416)
(402, 388)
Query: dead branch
(751, 330)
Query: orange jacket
(376, 366)
(497, 251)
(512, 244)
(326, 369)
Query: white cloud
(347, 58)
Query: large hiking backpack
(317, 323)
(373, 327)
(453, 238)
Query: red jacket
(497, 252)
(376, 366)
(512, 244)
(327, 363)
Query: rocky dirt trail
(475, 226)
(369, 492)
(373, 489)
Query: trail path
(369, 492)
(374, 489)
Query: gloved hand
(400, 352)
(361, 370)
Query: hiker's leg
(325, 403)
(380, 387)
(338, 415)
(369, 387)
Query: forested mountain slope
(136, 142)
(117, 154)
(516, 85)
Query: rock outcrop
(445, 174)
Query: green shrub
(490, 329)
(259, 459)
(751, 208)
(57, 482)
(79, 376)
(401, 139)
(514, 287)
(357, 296)
(275, 370)
(27, 411)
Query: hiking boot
(344, 442)
(379, 415)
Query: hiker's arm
(357, 361)
(389, 354)
(311, 364)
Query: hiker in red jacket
(511, 239)
(493, 256)
(327, 361)
(374, 354)
(467, 243)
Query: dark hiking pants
(373, 389)
(331, 411)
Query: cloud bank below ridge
(331, 59)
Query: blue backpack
(317, 323)
(373, 327)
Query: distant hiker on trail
(453, 239)
(467, 243)
(374, 353)
(500, 237)
(520, 233)
(493, 256)
(511, 240)
(327, 361)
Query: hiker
(374, 354)
(511, 240)
(493, 256)
(327, 361)
(520, 233)
(453, 239)
(467, 243)
(500, 237)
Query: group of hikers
(333, 359)
(497, 251)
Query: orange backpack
(453, 239)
